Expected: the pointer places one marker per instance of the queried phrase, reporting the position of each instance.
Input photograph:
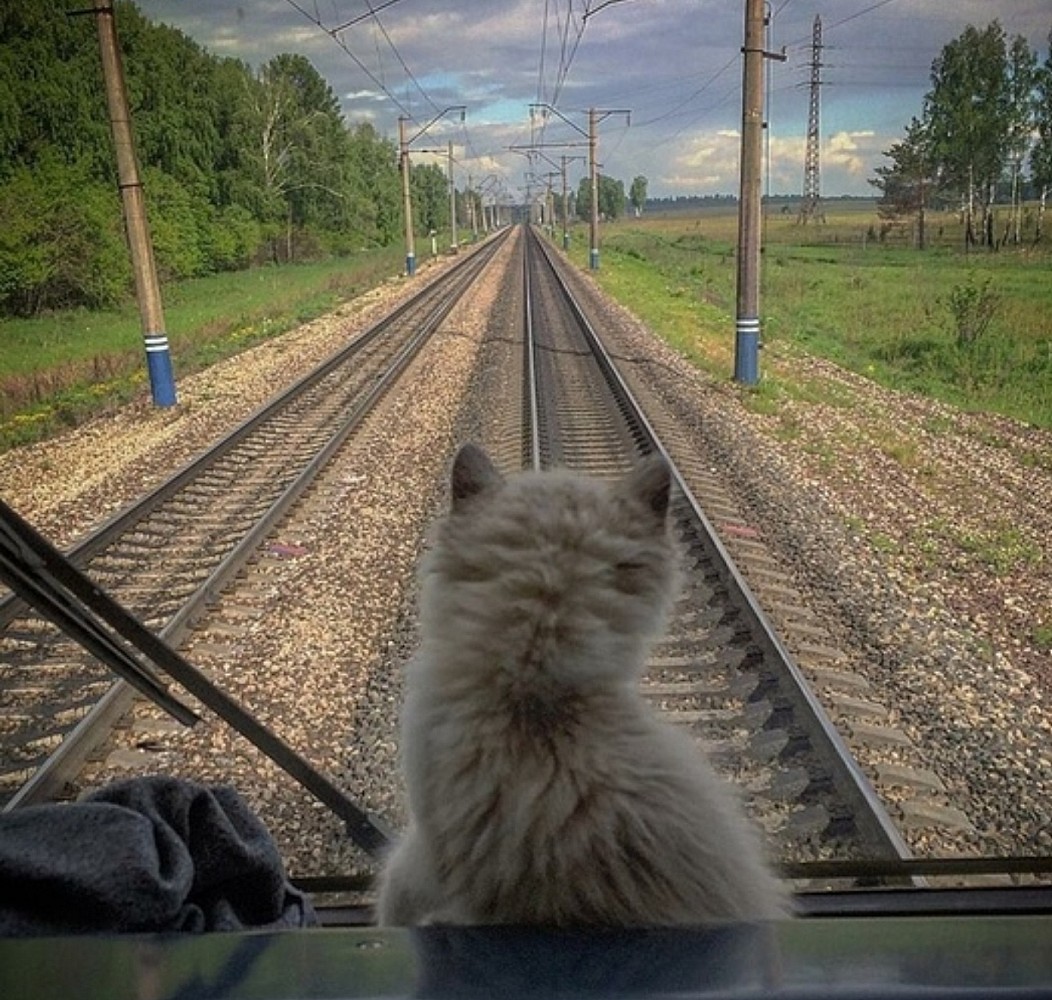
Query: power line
(371, 12)
(804, 39)
(335, 35)
(566, 60)
(865, 10)
(697, 93)
(339, 41)
(398, 55)
(544, 47)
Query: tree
(51, 65)
(611, 198)
(374, 205)
(637, 194)
(430, 191)
(1018, 113)
(172, 94)
(235, 164)
(965, 112)
(301, 147)
(61, 244)
(1041, 154)
(906, 185)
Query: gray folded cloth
(144, 855)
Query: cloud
(706, 163)
(850, 151)
(365, 95)
(675, 63)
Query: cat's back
(590, 811)
(542, 788)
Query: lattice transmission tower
(811, 206)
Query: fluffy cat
(542, 787)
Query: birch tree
(965, 112)
(1041, 154)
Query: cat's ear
(473, 472)
(649, 485)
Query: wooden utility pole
(747, 338)
(147, 288)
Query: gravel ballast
(918, 532)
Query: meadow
(59, 368)
(972, 329)
(904, 317)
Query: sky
(674, 66)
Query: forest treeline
(239, 165)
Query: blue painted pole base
(159, 366)
(747, 352)
(593, 259)
(410, 264)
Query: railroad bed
(310, 635)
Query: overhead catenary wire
(358, 62)
(398, 55)
(335, 33)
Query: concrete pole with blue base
(147, 287)
(407, 201)
(747, 351)
(566, 207)
(747, 338)
(159, 366)
(593, 176)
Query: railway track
(552, 395)
(721, 670)
(166, 558)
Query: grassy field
(834, 290)
(57, 369)
(903, 317)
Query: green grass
(58, 369)
(837, 292)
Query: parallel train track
(167, 557)
(721, 670)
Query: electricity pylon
(811, 206)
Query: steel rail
(851, 781)
(530, 348)
(12, 606)
(50, 775)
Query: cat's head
(578, 570)
(648, 485)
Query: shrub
(973, 307)
(177, 223)
(231, 238)
(61, 244)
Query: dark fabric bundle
(144, 855)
